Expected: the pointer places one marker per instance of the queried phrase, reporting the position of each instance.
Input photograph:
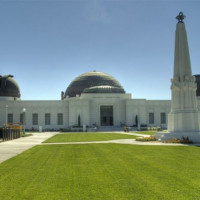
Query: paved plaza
(12, 148)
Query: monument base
(193, 136)
(183, 121)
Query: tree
(79, 120)
(136, 120)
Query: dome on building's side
(197, 77)
(86, 82)
(9, 87)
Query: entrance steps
(110, 128)
(113, 128)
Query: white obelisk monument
(183, 120)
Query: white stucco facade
(87, 106)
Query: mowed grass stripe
(102, 171)
(87, 137)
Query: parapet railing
(8, 133)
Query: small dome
(104, 89)
(92, 79)
(197, 77)
(9, 87)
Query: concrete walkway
(123, 141)
(12, 148)
(121, 132)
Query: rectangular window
(151, 118)
(60, 119)
(163, 118)
(47, 118)
(35, 119)
(21, 118)
(10, 118)
(0, 83)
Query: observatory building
(93, 98)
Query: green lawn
(84, 137)
(102, 172)
(145, 132)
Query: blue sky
(46, 44)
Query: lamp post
(6, 114)
(24, 120)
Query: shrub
(184, 140)
(26, 135)
(146, 139)
(154, 129)
(126, 129)
(143, 125)
(65, 130)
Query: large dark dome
(197, 77)
(9, 87)
(93, 79)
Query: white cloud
(96, 11)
